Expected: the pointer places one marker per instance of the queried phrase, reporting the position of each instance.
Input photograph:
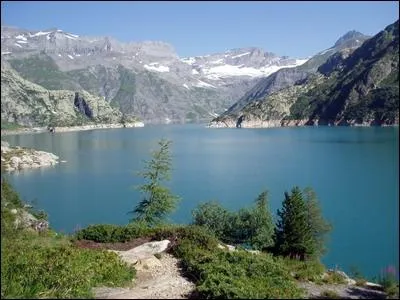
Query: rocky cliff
(29, 104)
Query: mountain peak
(351, 35)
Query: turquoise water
(354, 171)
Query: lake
(353, 170)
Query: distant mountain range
(356, 82)
(141, 80)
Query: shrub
(108, 233)
(101, 233)
(304, 270)
(212, 216)
(389, 282)
(34, 268)
(239, 274)
(250, 226)
(329, 294)
(334, 278)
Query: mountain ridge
(356, 86)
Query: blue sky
(297, 29)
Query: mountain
(286, 77)
(29, 104)
(146, 79)
(354, 86)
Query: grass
(47, 265)
(334, 278)
(305, 270)
(54, 268)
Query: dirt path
(155, 279)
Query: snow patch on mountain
(39, 33)
(156, 68)
(240, 55)
(216, 73)
(21, 37)
(218, 61)
(188, 60)
(200, 83)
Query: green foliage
(107, 233)
(333, 278)
(31, 270)
(318, 225)
(158, 201)
(239, 274)
(253, 227)
(389, 282)
(9, 197)
(301, 228)
(329, 294)
(47, 265)
(293, 236)
(311, 270)
(212, 216)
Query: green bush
(108, 233)
(239, 274)
(212, 216)
(389, 282)
(304, 270)
(248, 226)
(334, 278)
(328, 294)
(101, 233)
(33, 267)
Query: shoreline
(213, 126)
(5, 132)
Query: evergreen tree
(293, 236)
(301, 229)
(263, 236)
(158, 201)
(318, 225)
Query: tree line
(299, 232)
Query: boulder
(143, 252)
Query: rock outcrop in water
(17, 158)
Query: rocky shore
(254, 123)
(71, 128)
(18, 158)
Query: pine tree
(293, 236)
(263, 236)
(318, 225)
(158, 201)
(301, 229)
